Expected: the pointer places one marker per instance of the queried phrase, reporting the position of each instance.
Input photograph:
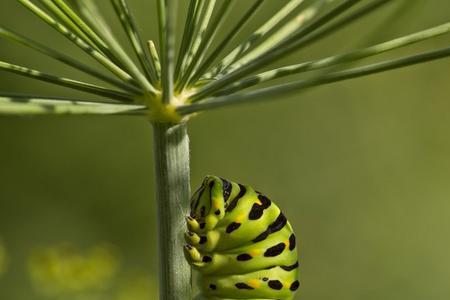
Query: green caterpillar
(241, 244)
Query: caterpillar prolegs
(241, 244)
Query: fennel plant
(168, 85)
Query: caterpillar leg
(192, 254)
(192, 224)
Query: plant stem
(171, 151)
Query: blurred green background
(361, 169)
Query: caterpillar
(240, 243)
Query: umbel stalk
(171, 151)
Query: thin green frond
(93, 17)
(273, 40)
(66, 21)
(80, 22)
(89, 8)
(155, 59)
(12, 36)
(95, 21)
(130, 27)
(227, 39)
(111, 66)
(85, 28)
(260, 34)
(205, 42)
(399, 14)
(287, 46)
(162, 23)
(275, 92)
(167, 12)
(187, 34)
(343, 22)
(204, 16)
(338, 59)
(74, 84)
(32, 105)
(189, 38)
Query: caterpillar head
(209, 202)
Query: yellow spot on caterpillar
(239, 218)
(258, 202)
(217, 204)
(286, 242)
(255, 252)
(254, 283)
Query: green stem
(171, 151)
